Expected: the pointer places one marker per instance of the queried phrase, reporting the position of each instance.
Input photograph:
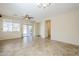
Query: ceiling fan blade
(31, 17)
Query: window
(7, 26)
(30, 28)
(16, 27)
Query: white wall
(42, 28)
(65, 27)
(10, 35)
(0, 28)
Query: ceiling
(21, 9)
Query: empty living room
(39, 29)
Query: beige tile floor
(36, 47)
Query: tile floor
(36, 47)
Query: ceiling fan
(27, 17)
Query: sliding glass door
(27, 34)
(27, 30)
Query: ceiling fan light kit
(44, 5)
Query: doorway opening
(48, 29)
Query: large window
(16, 27)
(7, 26)
(10, 26)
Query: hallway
(35, 47)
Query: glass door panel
(27, 30)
